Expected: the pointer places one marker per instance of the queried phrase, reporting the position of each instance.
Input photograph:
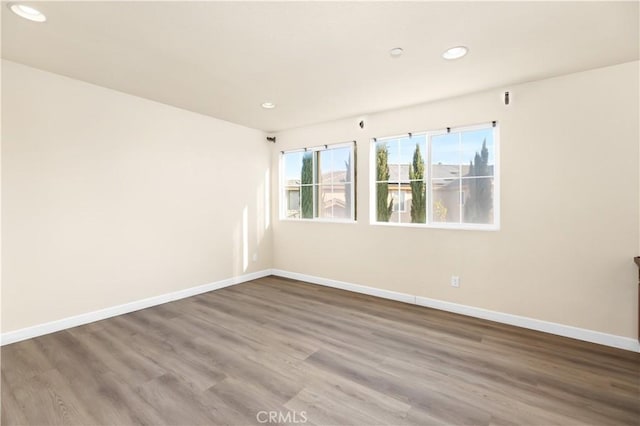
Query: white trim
(320, 147)
(373, 191)
(356, 288)
(319, 220)
(438, 131)
(74, 321)
(281, 189)
(592, 336)
(400, 136)
(441, 225)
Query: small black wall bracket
(271, 139)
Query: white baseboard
(592, 336)
(501, 317)
(356, 288)
(74, 321)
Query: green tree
(478, 205)
(382, 188)
(418, 196)
(306, 192)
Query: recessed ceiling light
(27, 12)
(396, 51)
(268, 105)
(455, 52)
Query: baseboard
(356, 288)
(74, 321)
(501, 317)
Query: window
(440, 179)
(399, 205)
(319, 183)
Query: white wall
(569, 207)
(108, 198)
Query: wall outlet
(255, 257)
(455, 281)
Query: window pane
(335, 165)
(399, 200)
(345, 190)
(478, 200)
(478, 152)
(382, 161)
(414, 155)
(292, 200)
(446, 200)
(307, 204)
(325, 201)
(402, 155)
(395, 160)
(395, 201)
(341, 165)
(325, 163)
(292, 163)
(383, 197)
(416, 199)
(307, 168)
(445, 156)
(341, 200)
(343, 212)
(400, 160)
(332, 202)
(414, 188)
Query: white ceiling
(317, 61)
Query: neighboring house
(448, 196)
(446, 192)
(449, 193)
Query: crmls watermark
(281, 417)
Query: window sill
(457, 227)
(344, 221)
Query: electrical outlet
(455, 281)
(255, 257)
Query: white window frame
(429, 185)
(282, 196)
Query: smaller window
(319, 183)
(399, 204)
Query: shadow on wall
(241, 229)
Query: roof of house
(399, 173)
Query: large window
(446, 178)
(319, 183)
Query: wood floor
(312, 353)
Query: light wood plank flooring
(308, 352)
